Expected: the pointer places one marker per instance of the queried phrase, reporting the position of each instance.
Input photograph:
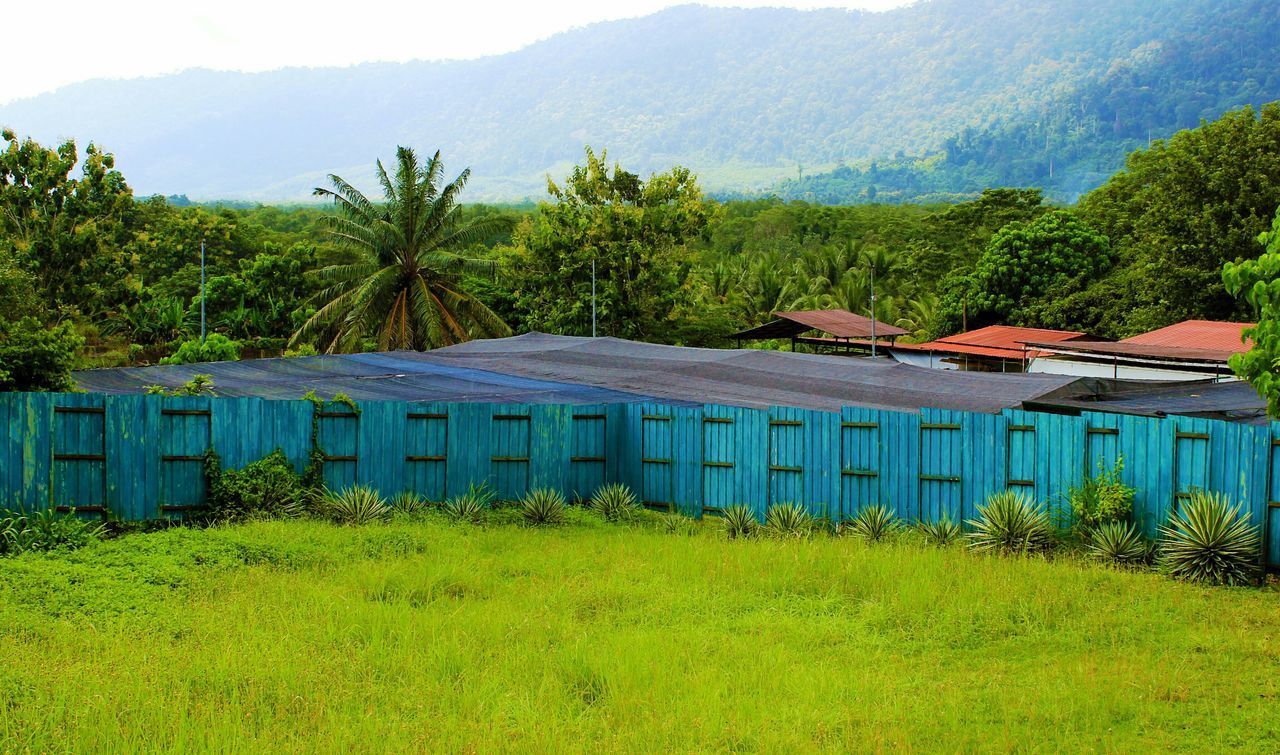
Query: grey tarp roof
(538, 368)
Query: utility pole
(873, 308)
(201, 290)
(593, 298)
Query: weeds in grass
(356, 505)
(269, 486)
(738, 521)
(941, 533)
(542, 506)
(873, 523)
(678, 524)
(45, 531)
(1118, 544)
(788, 520)
(469, 507)
(1209, 540)
(615, 502)
(1011, 523)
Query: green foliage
(409, 502)
(788, 520)
(47, 530)
(215, 348)
(632, 230)
(267, 487)
(873, 523)
(1011, 523)
(1258, 282)
(1101, 499)
(1175, 215)
(615, 502)
(738, 521)
(405, 289)
(356, 505)
(36, 358)
(542, 506)
(941, 532)
(1021, 264)
(1211, 541)
(1119, 543)
(678, 524)
(469, 507)
(198, 385)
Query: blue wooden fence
(139, 457)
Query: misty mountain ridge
(927, 101)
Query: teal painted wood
(469, 447)
(984, 456)
(687, 482)
(509, 439)
(79, 461)
(626, 445)
(36, 436)
(719, 454)
(185, 436)
(380, 446)
(133, 480)
(787, 458)
(551, 443)
(860, 458)
(425, 469)
(10, 454)
(752, 427)
(941, 465)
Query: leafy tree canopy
(633, 230)
(1257, 282)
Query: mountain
(962, 93)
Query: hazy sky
(47, 45)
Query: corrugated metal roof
(995, 341)
(837, 322)
(1197, 334)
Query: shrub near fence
(140, 457)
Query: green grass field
(421, 635)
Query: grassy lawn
(422, 635)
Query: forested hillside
(947, 96)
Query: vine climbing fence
(138, 457)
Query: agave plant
(873, 523)
(1011, 522)
(409, 502)
(941, 533)
(469, 506)
(356, 505)
(1118, 543)
(542, 506)
(739, 521)
(1209, 540)
(615, 502)
(788, 520)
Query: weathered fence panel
(142, 457)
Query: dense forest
(931, 102)
(92, 275)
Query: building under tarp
(539, 368)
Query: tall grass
(418, 635)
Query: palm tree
(406, 291)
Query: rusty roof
(837, 322)
(996, 341)
(1197, 334)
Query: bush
(36, 358)
(267, 487)
(470, 506)
(1118, 544)
(215, 348)
(615, 502)
(739, 521)
(873, 523)
(44, 531)
(788, 520)
(1101, 499)
(542, 507)
(1011, 523)
(1208, 540)
(941, 533)
(678, 524)
(356, 505)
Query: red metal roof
(996, 341)
(1197, 334)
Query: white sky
(50, 44)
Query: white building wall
(1079, 368)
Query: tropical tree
(406, 291)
